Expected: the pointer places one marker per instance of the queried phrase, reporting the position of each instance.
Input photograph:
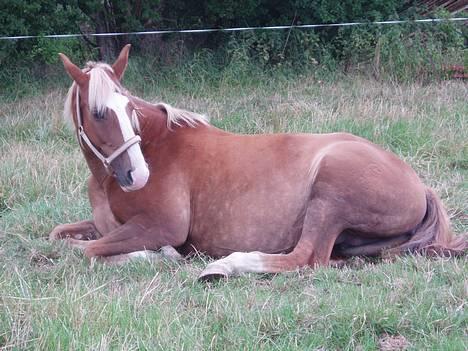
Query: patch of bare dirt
(42, 259)
(393, 343)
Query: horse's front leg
(165, 252)
(83, 230)
(102, 223)
(136, 238)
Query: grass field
(51, 298)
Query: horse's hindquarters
(378, 195)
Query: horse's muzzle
(125, 179)
(132, 180)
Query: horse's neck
(152, 120)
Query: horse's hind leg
(320, 230)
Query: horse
(163, 178)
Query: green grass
(52, 298)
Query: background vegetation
(401, 52)
(383, 83)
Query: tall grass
(53, 298)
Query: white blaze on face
(140, 174)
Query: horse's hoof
(55, 235)
(170, 253)
(337, 263)
(213, 272)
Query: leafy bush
(420, 52)
(403, 52)
(23, 17)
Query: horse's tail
(433, 235)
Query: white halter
(106, 161)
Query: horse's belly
(256, 239)
(248, 226)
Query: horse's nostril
(129, 177)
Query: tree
(110, 16)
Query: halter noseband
(106, 161)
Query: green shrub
(398, 52)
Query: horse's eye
(99, 114)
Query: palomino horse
(163, 177)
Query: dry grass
(51, 298)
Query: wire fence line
(235, 29)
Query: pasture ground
(51, 298)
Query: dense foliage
(412, 49)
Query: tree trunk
(105, 44)
(105, 23)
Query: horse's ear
(120, 64)
(74, 71)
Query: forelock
(101, 86)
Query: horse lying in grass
(162, 177)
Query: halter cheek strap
(106, 161)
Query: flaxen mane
(101, 86)
(177, 117)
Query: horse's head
(106, 121)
